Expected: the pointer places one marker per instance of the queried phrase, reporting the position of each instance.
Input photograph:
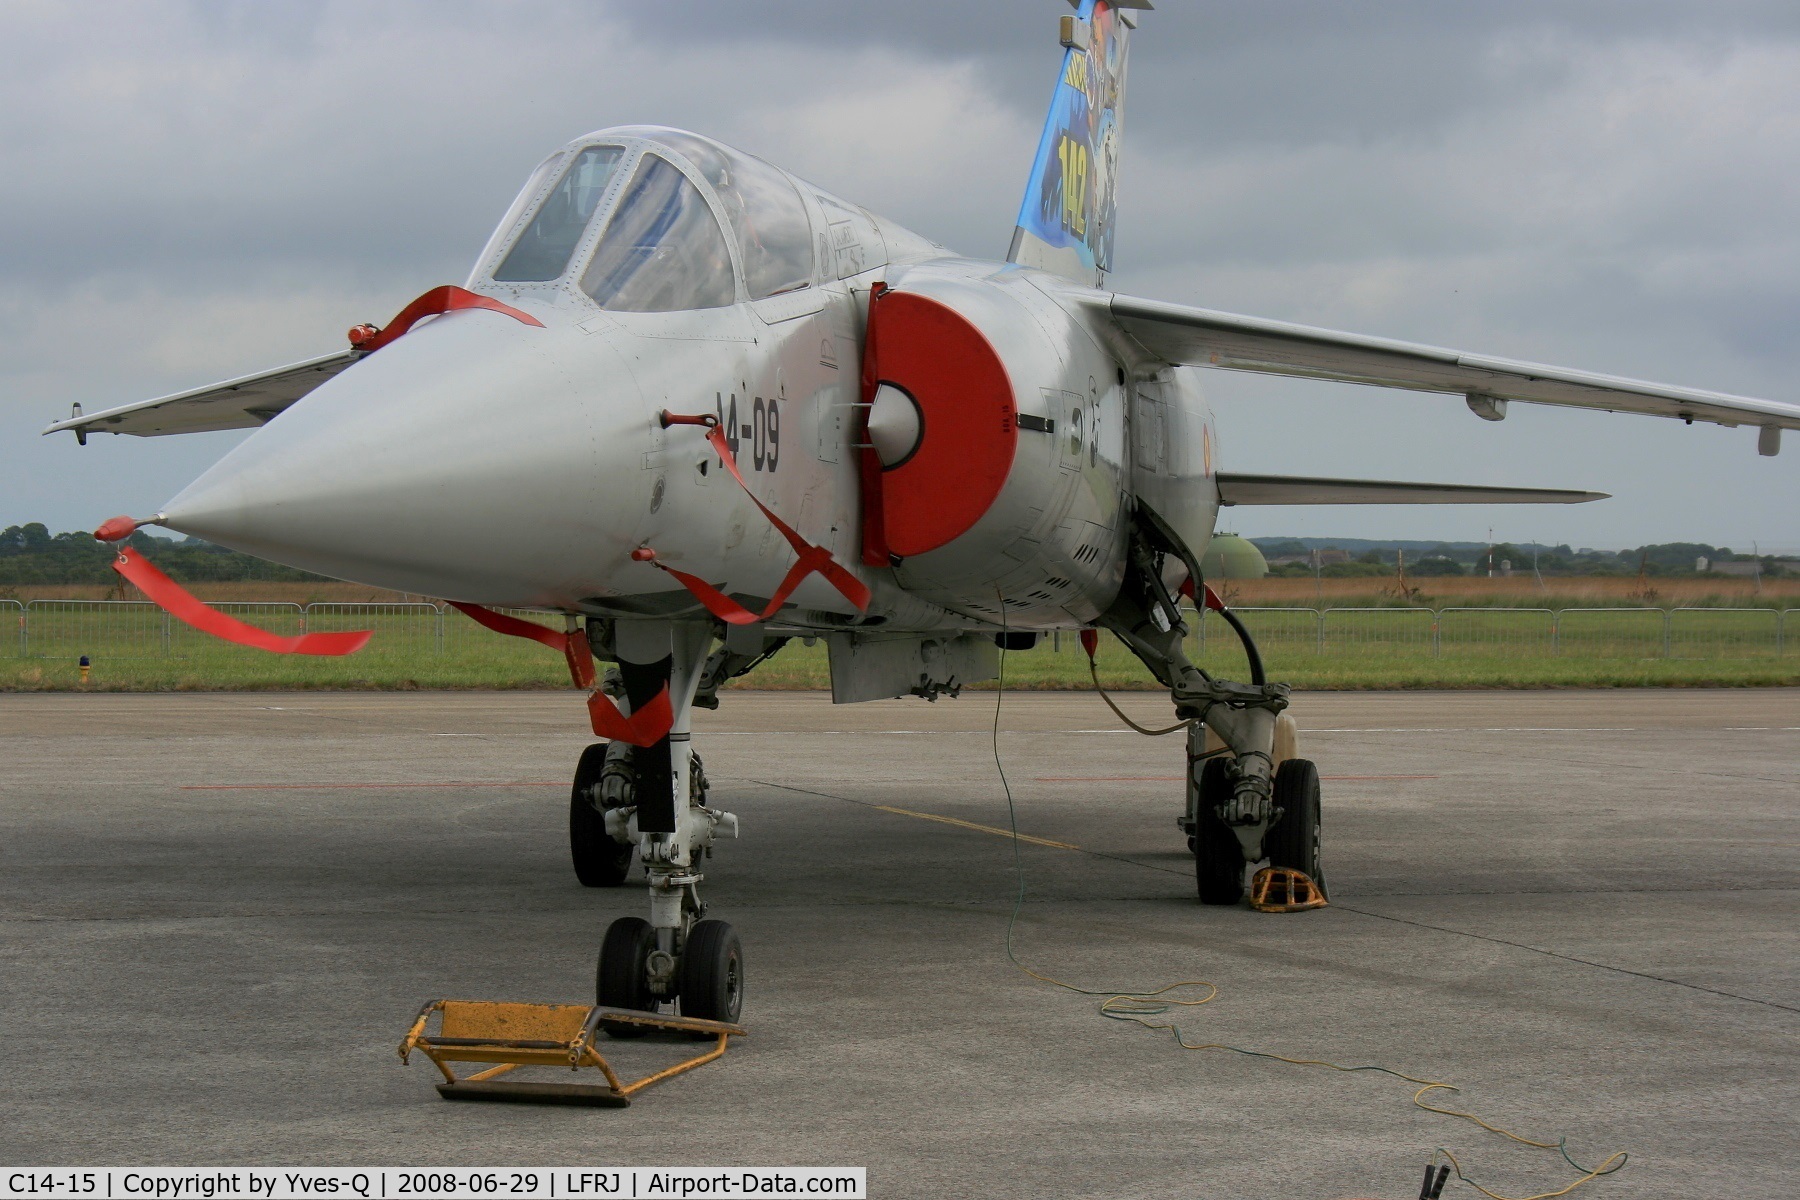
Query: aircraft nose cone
(474, 459)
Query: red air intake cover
(969, 428)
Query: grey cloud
(196, 189)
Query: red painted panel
(970, 428)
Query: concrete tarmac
(218, 913)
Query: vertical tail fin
(1066, 220)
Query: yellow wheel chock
(542, 1035)
(1285, 890)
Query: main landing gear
(624, 804)
(1249, 799)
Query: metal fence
(66, 629)
(1699, 633)
(135, 629)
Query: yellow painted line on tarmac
(1005, 833)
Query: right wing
(1298, 489)
(242, 403)
(1205, 338)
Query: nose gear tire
(1294, 840)
(1218, 859)
(711, 976)
(621, 978)
(599, 860)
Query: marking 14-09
(757, 429)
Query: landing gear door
(1172, 453)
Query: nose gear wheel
(622, 976)
(711, 977)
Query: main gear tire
(622, 977)
(599, 860)
(1294, 841)
(711, 976)
(1218, 859)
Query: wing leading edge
(1299, 489)
(242, 403)
(1204, 337)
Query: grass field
(134, 647)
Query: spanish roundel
(966, 425)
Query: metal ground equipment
(545, 1035)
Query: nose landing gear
(653, 799)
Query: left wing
(242, 403)
(1203, 337)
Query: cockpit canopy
(631, 218)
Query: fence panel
(1527, 632)
(1293, 630)
(1787, 633)
(483, 650)
(1612, 632)
(99, 628)
(1378, 628)
(12, 629)
(1724, 632)
(412, 630)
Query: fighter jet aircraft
(699, 406)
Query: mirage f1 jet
(699, 406)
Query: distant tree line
(1424, 559)
(32, 554)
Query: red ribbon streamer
(1209, 599)
(573, 644)
(645, 727)
(182, 605)
(447, 298)
(813, 559)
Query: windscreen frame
(548, 174)
(647, 149)
(622, 168)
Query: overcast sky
(190, 191)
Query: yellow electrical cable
(1133, 1007)
(1120, 713)
(1605, 1168)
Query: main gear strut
(1235, 802)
